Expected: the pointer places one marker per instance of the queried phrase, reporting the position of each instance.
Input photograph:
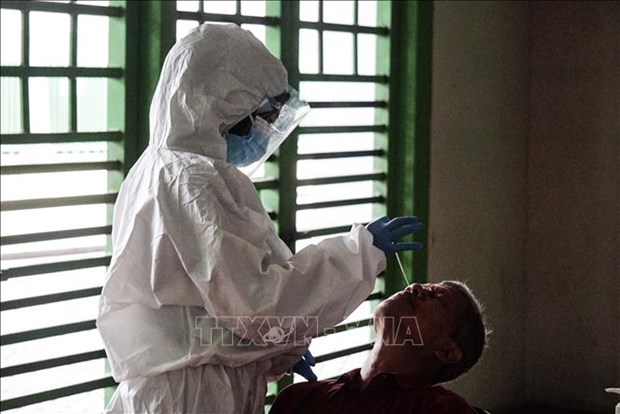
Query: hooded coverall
(199, 280)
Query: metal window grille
(361, 153)
(62, 88)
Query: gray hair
(471, 334)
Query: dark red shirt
(382, 395)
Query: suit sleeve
(242, 269)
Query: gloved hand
(386, 232)
(302, 367)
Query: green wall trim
(287, 156)
(287, 153)
(409, 129)
(147, 45)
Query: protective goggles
(269, 110)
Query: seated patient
(426, 335)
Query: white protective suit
(194, 251)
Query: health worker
(203, 303)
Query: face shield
(255, 138)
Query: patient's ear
(449, 353)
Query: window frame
(114, 136)
(137, 67)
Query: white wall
(525, 193)
(573, 247)
(478, 178)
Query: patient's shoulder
(305, 396)
(292, 398)
(443, 400)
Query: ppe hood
(211, 79)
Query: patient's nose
(418, 291)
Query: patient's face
(420, 314)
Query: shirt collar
(382, 381)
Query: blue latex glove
(302, 367)
(386, 233)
